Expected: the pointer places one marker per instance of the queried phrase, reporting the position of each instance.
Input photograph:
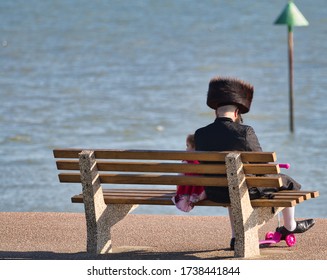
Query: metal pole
(290, 57)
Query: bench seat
(163, 197)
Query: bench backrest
(153, 167)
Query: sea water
(134, 74)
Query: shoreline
(58, 235)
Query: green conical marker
(291, 16)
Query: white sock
(289, 218)
(231, 221)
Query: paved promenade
(142, 237)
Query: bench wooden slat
(256, 169)
(304, 196)
(298, 198)
(141, 190)
(67, 164)
(264, 182)
(257, 157)
(125, 199)
(148, 167)
(261, 169)
(163, 167)
(158, 155)
(146, 179)
(308, 194)
(273, 202)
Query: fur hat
(229, 91)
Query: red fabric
(189, 190)
(187, 196)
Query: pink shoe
(183, 203)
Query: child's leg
(289, 218)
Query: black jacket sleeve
(252, 141)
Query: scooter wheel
(269, 235)
(290, 240)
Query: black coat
(225, 135)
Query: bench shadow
(130, 255)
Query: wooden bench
(141, 175)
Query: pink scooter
(276, 237)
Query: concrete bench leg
(99, 216)
(244, 216)
(99, 227)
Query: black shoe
(232, 244)
(301, 226)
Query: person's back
(230, 98)
(226, 135)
